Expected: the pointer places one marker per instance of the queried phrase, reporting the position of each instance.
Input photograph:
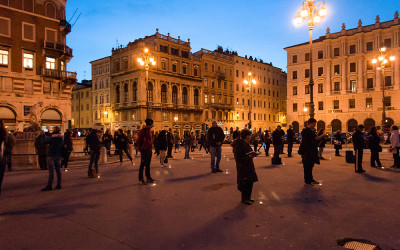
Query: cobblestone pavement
(190, 208)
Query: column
(360, 82)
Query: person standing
(358, 144)
(187, 140)
(54, 156)
(321, 143)
(277, 140)
(177, 141)
(8, 148)
(194, 141)
(121, 143)
(267, 139)
(395, 146)
(255, 139)
(94, 146)
(215, 138)
(309, 150)
(373, 144)
(68, 147)
(236, 133)
(145, 145)
(107, 139)
(290, 140)
(41, 151)
(3, 135)
(170, 141)
(162, 146)
(337, 142)
(246, 173)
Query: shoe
(150, 180)
(247, 202)
(219, 170)
(133, 164)
(308, 182)
(213, 171)
(47, 189)
(361, 171)
(314, 182)
(251, 200)
(373, 166)
(58, 187)
(142, 182)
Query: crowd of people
(54, 149)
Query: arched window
(196, 97)
(117, 96)
(336, 125)
(150, 92)
(126, 93)
(50, 10)
(134, 92)
(184, 96)
(174, 95)
(351, 125)
(320, 125)
(369, 123)
(296, 127)
(164, 93)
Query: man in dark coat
(145, 144)
(54, 156)
(170, 141)
(95, 145)
(121, 143)
(246, 173)
(215, 138)
(236, 133)
(309, 150)
(107, 139)
(290, 140)
(358, 144)
(277, 140)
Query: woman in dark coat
(67, 149)
(338, 142)
(373, 143)
(246, 173)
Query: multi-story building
(101, 90)
(170, 95)
(348, 86)
(33, 63)
(81, 107)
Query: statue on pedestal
(33, 118)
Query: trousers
(54, 163)
(145, 161)
(215, 152)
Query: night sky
(260, 28)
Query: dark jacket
(244, 164)
(215, 134)
(170, 139)
(107, 139)
(277, 137)
(56, 144)
(121, 141)
(93, 142)
(187, 140)
(41, 148)
(162, 142)
(236, 134)
(309, 146)
(68, 143)
(358, 140)
(373, 142)
(322, 141)
(290, 136)
(338, 137)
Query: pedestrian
(41, 151)
(373, 144)
(3, 135)
(262, 141)
(107, 139)
(187, 140)
(8, 148)
(395, 146)
(121, 143)
(134, 138)
(267, 139)
(246, 173)
(236, 133)
(290, 140)
(309, 151)
(277, 140)
(337, 142)
(145, 145)
(177, 142)
(115, 142)
(358, 144)
(155, 144)
(194, 141)
(170, 143)
(68, 147)
(255, 139)
(215, 138)
(130, 142)
(162, 146)
(94, 143)
(54, 156)
(321, 143)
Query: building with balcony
(348, 86)
(81, 105)
(33, 63)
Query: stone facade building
(33, 63)
(81, 107)
(348, 87)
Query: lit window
(3, 57)
(50, 63)
(28, 61)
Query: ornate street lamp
(146, 60)
(250, 81)
(311, 12)
(382, 59)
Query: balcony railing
(56, 46)
(66, 25)
(336, 92)
(221, 106)
(59, 74)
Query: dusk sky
(260, 28)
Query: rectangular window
(370, 46)
(320, 71)
(388, 81)
(320, 88)
(206, 82)
(165, 116)
(370, 83)
(206, 67)
(335, 104)
(294, 75)
(164, 48)
(28, 32)
(336, 52)
(3, 58)
(185, 54)
(212, 84)
(173, 67)
(320, 105)
(28, 61)
(184, 70)
(237, 73)
(294, 59)
(51, 35)
(307, 89)
(352, 49)
(50, 63)
(294, 90)
(370, 65)
(388, 43)
(225, 85)
(368, 102)
(352, 103)
(87, 106)
(320, 54)
(353, 86)
(307, 57)
(353, 67)
(336, 86)
(306, 73)
(336, 69)
(163, 66)
(5, 27)
(174, 51)
(294, 107)
(195, 72)
(388, 101)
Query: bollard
(103, 155)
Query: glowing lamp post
(147, 60)
(250, 81)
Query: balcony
(349, 91)
(369, 89)
(67, 51)
(66, 26)
(220, 106)
(336, 92)
(66, 76)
